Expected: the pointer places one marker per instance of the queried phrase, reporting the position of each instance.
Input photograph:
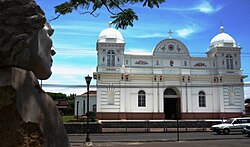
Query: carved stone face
(41, 53)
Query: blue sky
(194, 22)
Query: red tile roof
(90, 92)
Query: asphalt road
(155, 137)
(202, 143)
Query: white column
(127, 97)
(122, 97)
(161, 98)
(189, 98)
(98, 100)
(221, 99)
(155, 96)
(183, 98)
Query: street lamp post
(77, 106)
(88, 80)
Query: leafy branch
(121, 19)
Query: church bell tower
(110, 50)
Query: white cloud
(68, 80)
(78, 26)
(67, 90)
(76, 52)
(73, 33)
(137, 52)
(154, 35)
(67, 75)
(185, 32)
(69, 70)
(203, 7)
(206, 7)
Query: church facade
(169, 83)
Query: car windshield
(228, 121)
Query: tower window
(229, 61)
(111, 58)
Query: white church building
(169, 83)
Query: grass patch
(67, 118)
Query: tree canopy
(61, 96)
(122, 18)
(57, 96)
(247, 100)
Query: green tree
(71, 97)
(247, 100)
(71, 101)
(57, 96)
(122, 16)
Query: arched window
(202, 99)
(229, 61)
(141, 98)
(111, 58)
(170, 91)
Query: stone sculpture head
(25, 37)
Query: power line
(93, 51)
(144, 86)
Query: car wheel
(226, 131)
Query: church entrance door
(171, 104)
(170, 108)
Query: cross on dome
(170, 33)
(222, 29)
(221, 26)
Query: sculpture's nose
(53, 51)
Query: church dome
(110, 35)
(223, 39)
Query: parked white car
(231, 125)
(246, 130)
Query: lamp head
(88, 79)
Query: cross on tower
(170, 33)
